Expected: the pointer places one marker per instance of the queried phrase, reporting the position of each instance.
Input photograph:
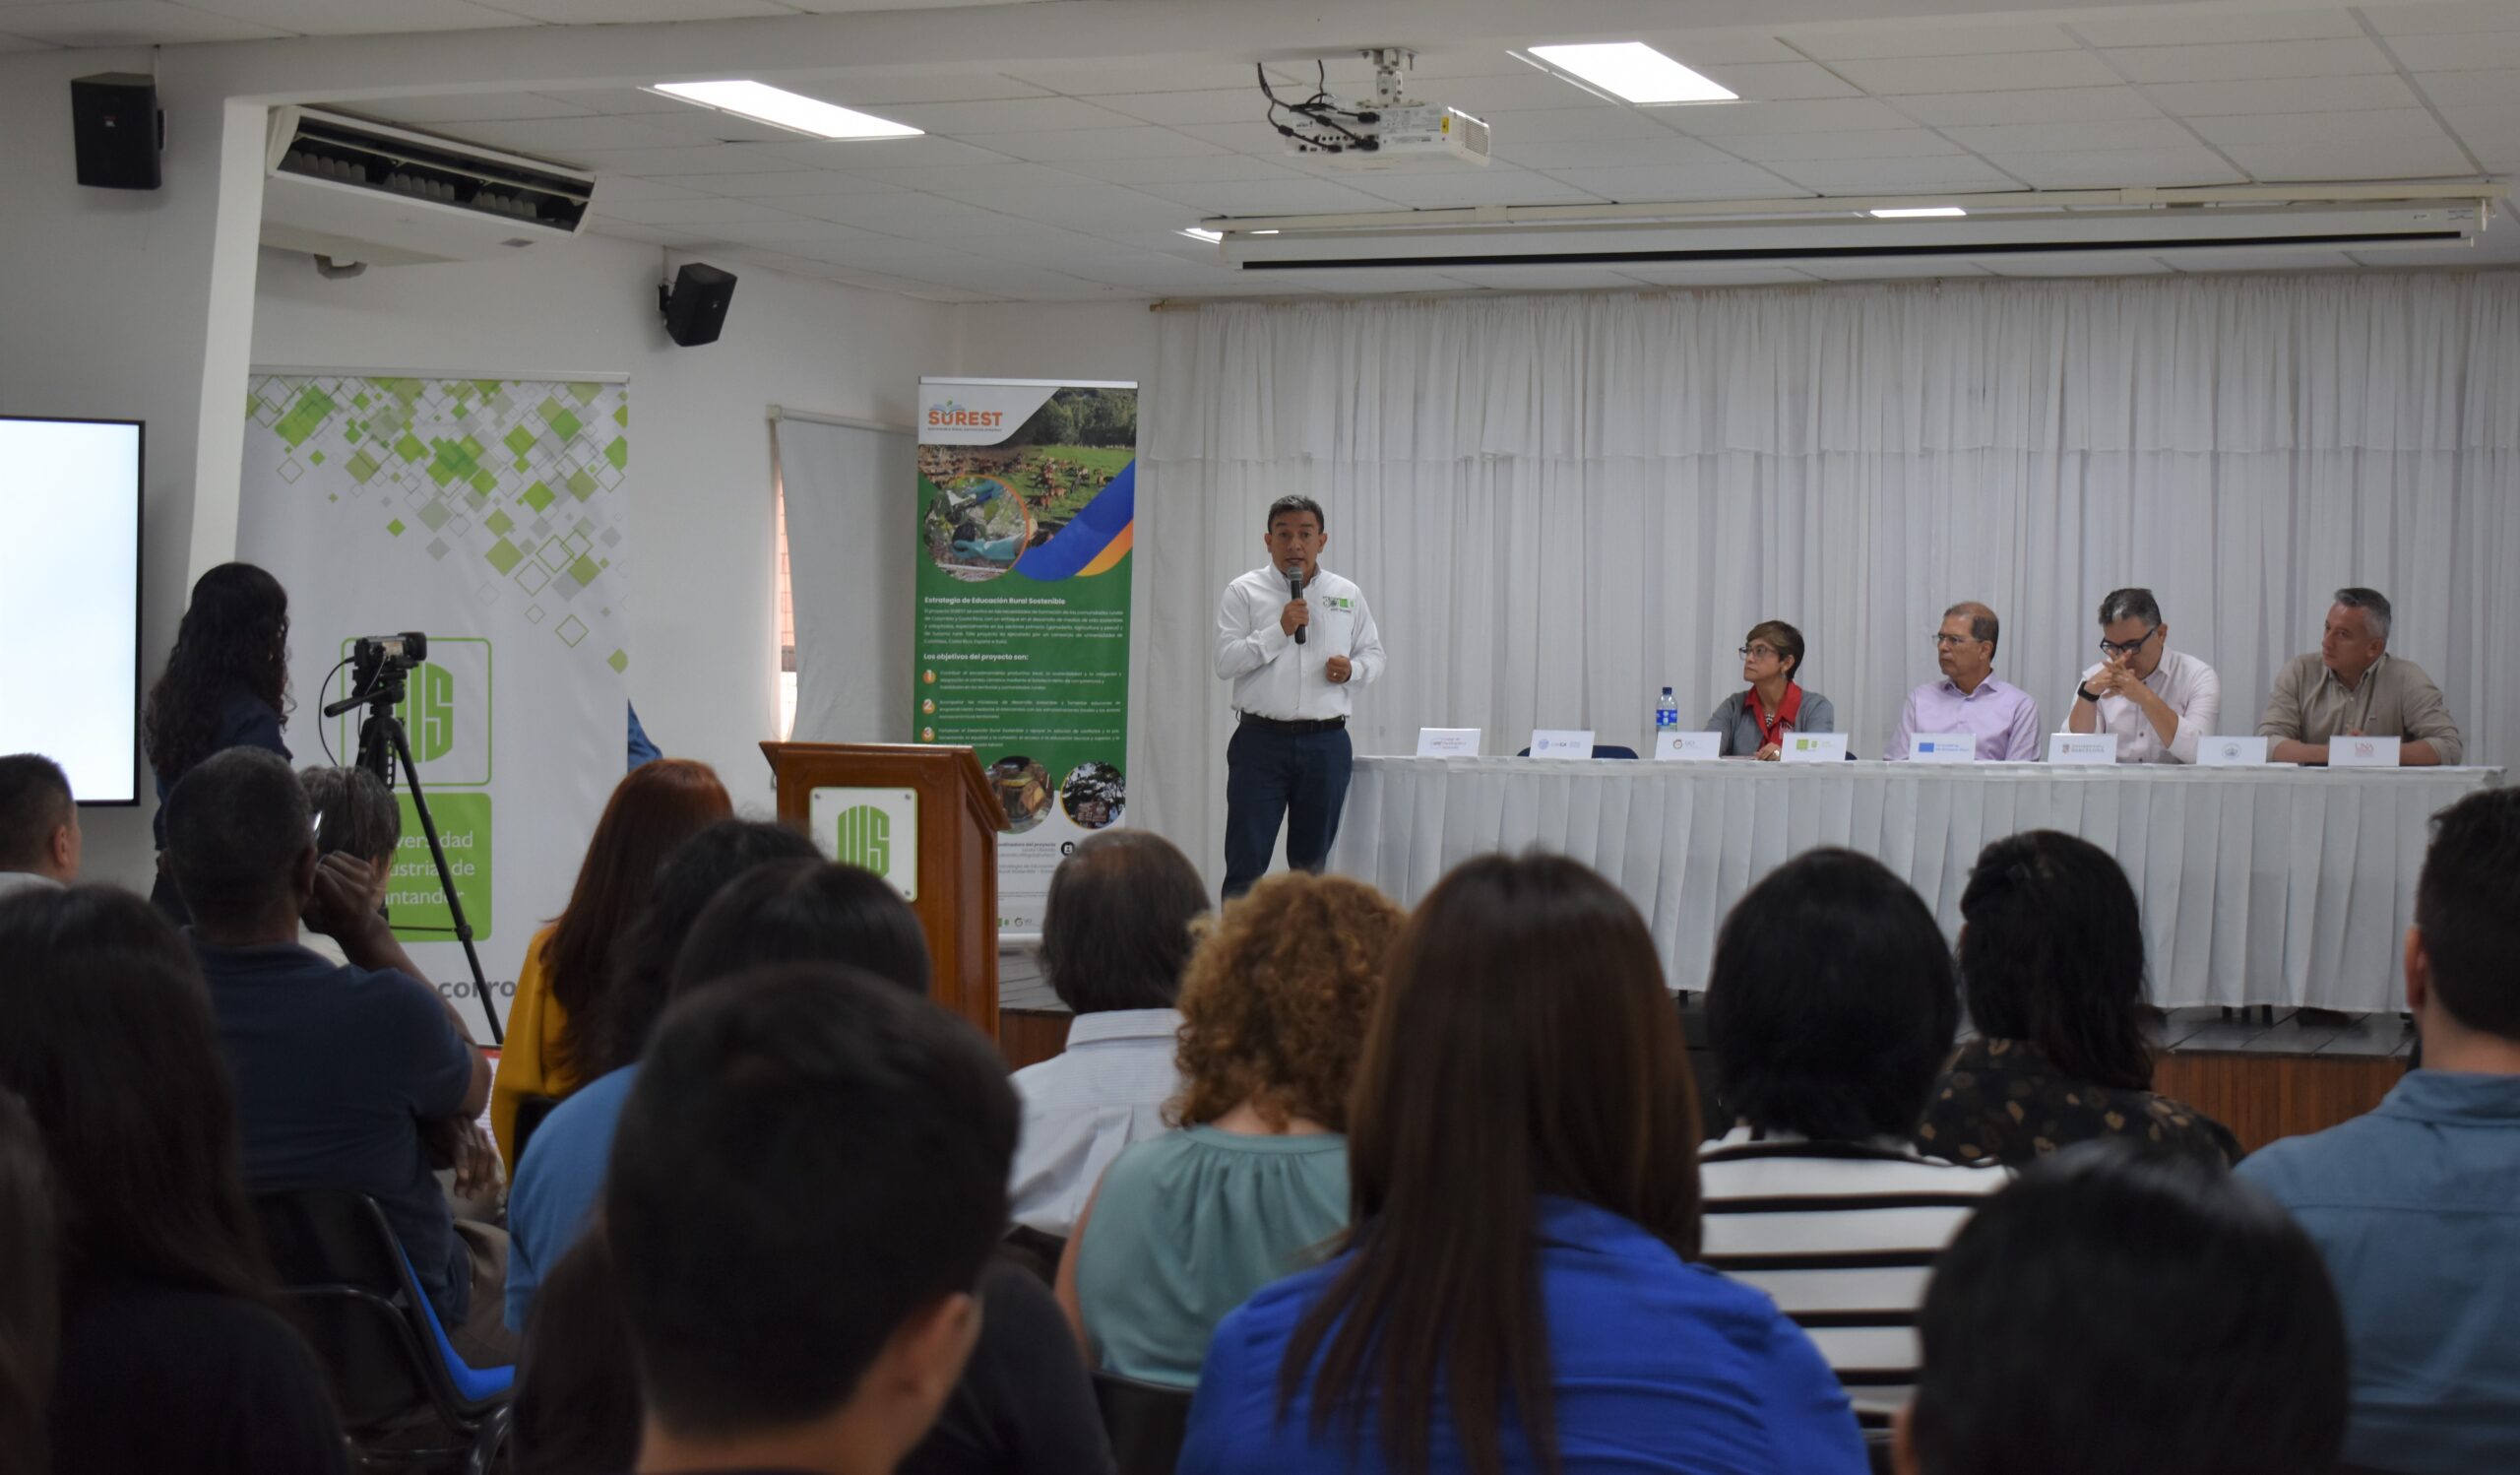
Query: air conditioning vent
(356, 190)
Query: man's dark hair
(2467, 905)
(693, 874)
(35, 801)
(360, 816)
(236, 826)
(1983, 624)
(2129, 604)
(2374, 606)
(2208, 1305)
(811, 1156)
(1285, 506)
(805, 912)
(577, 1383)
(1830, 1003)
(1115, 931)
(2052, 952)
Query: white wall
(1056, 341)
(702, 658)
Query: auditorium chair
(1146, 1421)
(404, 1396)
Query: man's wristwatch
(2087, 694)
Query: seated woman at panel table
(2052, 965)
(1756, 719)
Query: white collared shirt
(1106, 1090)
(2188, 686)
(1253, 652)
(13, 881)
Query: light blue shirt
(558, 1183)
(2416, 1207)
(2001, 716)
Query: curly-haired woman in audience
(226, 686)
(2051, 958)
(170, 1357)
(1185, 1226)
(1517, 1292)
(568, 963)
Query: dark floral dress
(2000, 1101)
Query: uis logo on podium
(874, 829)
(862, 836)
(445, 709)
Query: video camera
(407, 650)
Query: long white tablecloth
(2276, 886)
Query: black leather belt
(1293, 729)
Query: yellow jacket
(530, 1063)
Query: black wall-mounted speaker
(118, 129)
(696, 304)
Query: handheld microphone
(1295, 587)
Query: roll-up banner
(1026, 495)
(487, 515)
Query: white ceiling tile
(1271, 197)
(709, 210)
(697, 158)
(2381, 124)
(2381, 158)
(1707, 48)
(1217, 105)
(1482, 95)
(1489, 186)
(1449, 64)
(816, 241)
(886, 153)
(2072, 264)
(903, 85)
(2472, 88)
(2052, 138)
(785, 184)
(904, 286)
(1348, 283)
(570, 136)
(1088, 79)
(1892, 143)
(906, 213)
(1251, 136)
(1888, 177)
(1086, 144)
(1727, 180)
(1999, 73)
(2069, 104)
(1197, 169)
(129, 22)
(959, 178)
(1040, 245)
(631, 11)
(2481, 50)
(1678, 274)
(700, 125)
(1824, 115)
(2459, 15)
(2113, 169)
(1097, 209)
(333, 17)
(612, 189)
(480, 107)
(2188, 29)
(2202, 99)
(2492, 134)
(1782, 82)
(1011, 115)
(621, 101)
(1573, 153)
(1853, 42)
(1602, 120)
(652, 236)
(2250, 61)
(1888, 267)
(2256, 261)
(1541, 278)
(24, 44)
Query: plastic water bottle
(1666, 713)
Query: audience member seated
(562, 1174)
(1830, 1008)
(805, 1300)
(1116, 936)
(2416, 1206)
(30, 1289)
(2051, 958)
(169, 1357)
(348, 1075)
(577, 1397)
(39, 824)
(2123, 1309)
(1254, 1186)
(567, 964)
(357, 816)
(1517, 1292)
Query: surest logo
(951, 416)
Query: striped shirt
(1842, 1236)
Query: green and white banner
(1027, 504)
(487, 514)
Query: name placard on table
(2362, 752)
(1448, 742)
(2231, 752)
(1561, 742)
(2082, 748)
(1687, 747)
(1814, 748)
(1944, 748)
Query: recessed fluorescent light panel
(1916, 213)
(1634, 71)
(781, 108)
(1210, 236)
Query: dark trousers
(1301, 777)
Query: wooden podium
(860, 801)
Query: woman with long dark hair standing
(226, 686)
(170, 1355)
(1517, 1293)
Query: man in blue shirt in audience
(2417, 1205)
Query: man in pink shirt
(1968, 699)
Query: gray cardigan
(1741, 730)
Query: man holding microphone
(1296, 642)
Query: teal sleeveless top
(1186, 1226)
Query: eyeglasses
(2130, 647)
(1764, 653)
(1946, 642)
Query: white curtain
(852, 528)
(1557, 504)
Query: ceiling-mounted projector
(1393, 130)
